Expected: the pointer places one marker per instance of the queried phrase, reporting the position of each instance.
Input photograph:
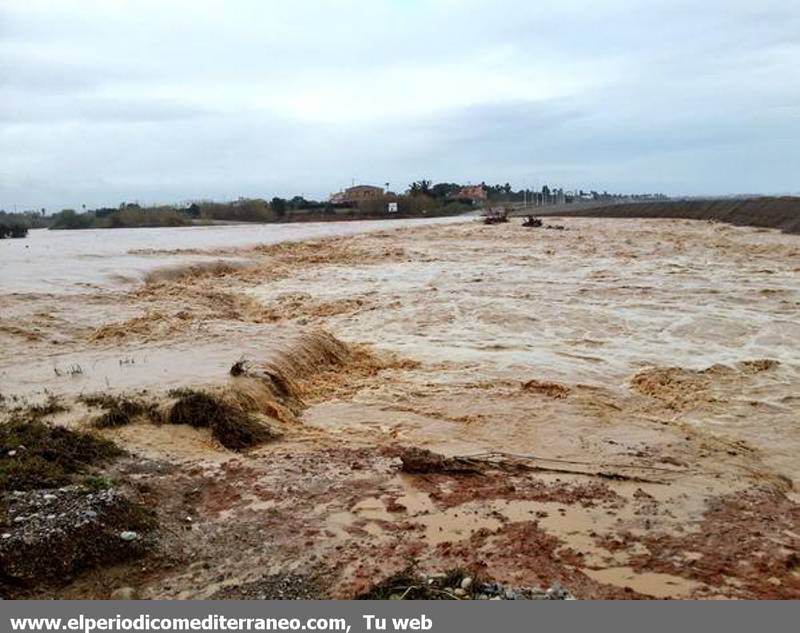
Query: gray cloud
(154, 101)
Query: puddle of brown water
(648, 583)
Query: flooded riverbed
(642, 377)
(80, 260)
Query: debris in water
(421, 461)
(234, 428)
(495, 216)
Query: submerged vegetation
(16, 225)
(117, 410)
(235, 428)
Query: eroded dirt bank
(621, 397)
(768, 212)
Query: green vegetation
(421, 200)
(98, 482)
(129, 216)
(37, 455)
(16, 225)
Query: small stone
(124, 593)
(129, 536)
(466, 582)
(5, 536)
(557, 592)
(460, 592)
(12, 453)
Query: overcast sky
(165, 101)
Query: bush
(245, 210)
(68, 219)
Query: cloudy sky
(169, 100)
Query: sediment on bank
(770, 212)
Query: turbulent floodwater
(77, 261)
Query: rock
(460, 592)
(128, 536)
(54, 539)
(12, 453)
(124, 593)
(466, 582)
(5, 536)
(557, 592)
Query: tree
(444, 189)
(278, 207)
(420, 187)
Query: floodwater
(82, 260)
(660, 355)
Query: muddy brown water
(650, 327)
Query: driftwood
(421, 461)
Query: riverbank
(766, 212)
(608, 408)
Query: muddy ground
(627, 388)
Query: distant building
(359, 193)
(471, 192)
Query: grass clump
(234, 428)
(117, 410)
(37, 455)
(98, 482)
(50, 406)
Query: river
(87, 260)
